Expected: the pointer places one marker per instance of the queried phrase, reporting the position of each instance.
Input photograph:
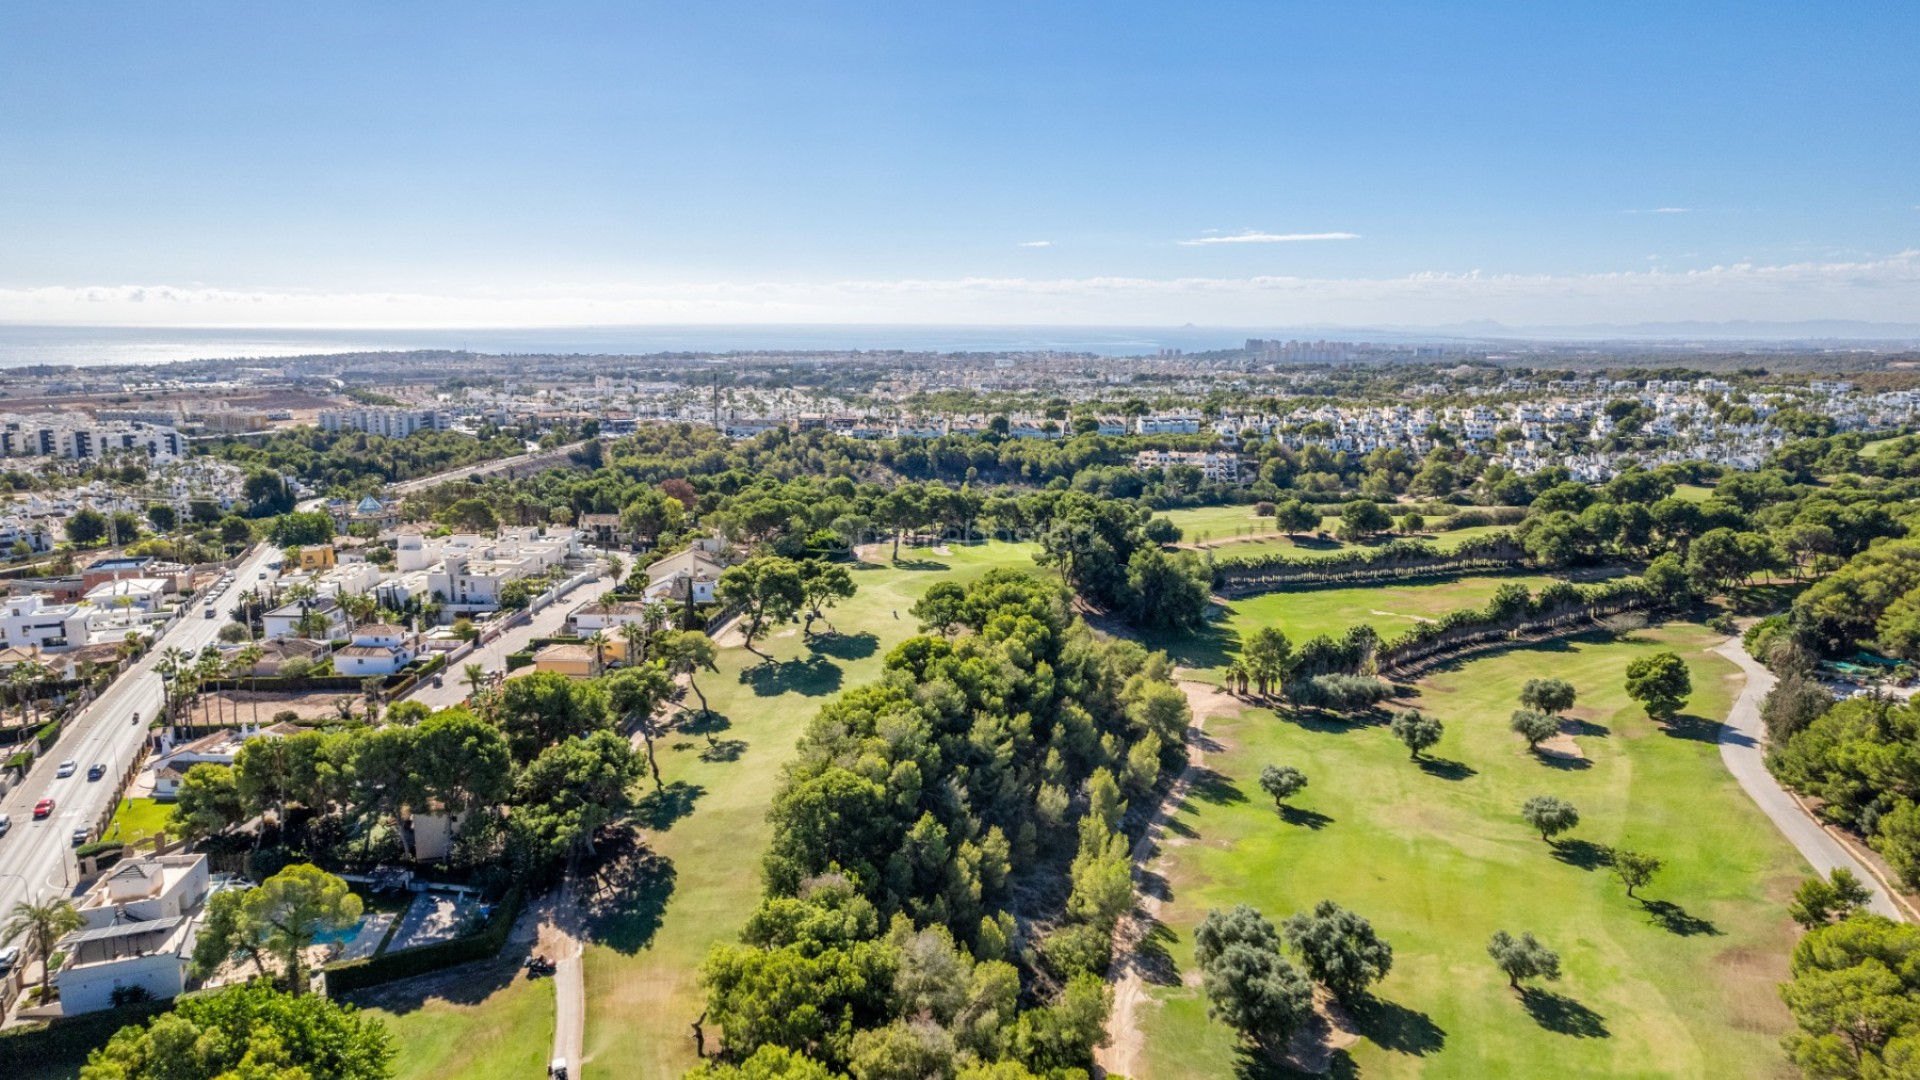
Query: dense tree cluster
(249, 1031)
(536, 772)
(353, 461)
(1861, 759)
(1855, 999)
(887, 944)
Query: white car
(6, 823)
(9, 956)
(67, 768)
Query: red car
(43, 808)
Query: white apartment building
(1169, 424)
(141, 919)
(80, 437)
(30, 622)
(468, 573)
(1213, 466)
(394, 423)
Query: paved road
(1743, 748)
(483, 468)
(36, 857)
(493, 655)
(560, 939)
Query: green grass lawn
(479, 1022)
(136, 819)
(642, 988)
(1692, 492)
(1389, 609)
(1438, 859)
(1308, 548)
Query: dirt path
(1127, 973)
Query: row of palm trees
(187, 676)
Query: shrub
(1341, 693)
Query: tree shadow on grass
(1563, 1015)
(1554, 759)
(467, 984)
(1324, 722)
(1675, 919)
(845, 646)
(1396, 1027)
(919, 564)
(660, 809)
(1695, 728)
(1584, 854)
(1211, 646)
(814, 676)
(1209, 785)
(627, 895)
(718, 750)
(1300, 815)
(707, 724)
(1584, 728)
(1447, 770)
(1253, 1064)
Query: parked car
(43, 808)
(9, 956)
(95, 771)
(5, 824)
(67, 768)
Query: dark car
(96, 770)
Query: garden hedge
(350, 975)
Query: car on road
(95, 771)
(5, 824)
(9, 956)
(67, 768)
(81, 836)
(43, 808)
(208, 613)
(263, 575)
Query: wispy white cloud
(1266, 238)
(1883, 288)
(1036, 243)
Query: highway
(36, 857)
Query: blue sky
(1230, 164)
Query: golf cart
(558, 1068)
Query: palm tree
(654, 614)
(634, 636)
(173, 668)
(247, 661)
(599, 641)
(476, 676)
(43, 925)
(205, 670)
(359, 608)
(1236, 676)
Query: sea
(87, 346)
